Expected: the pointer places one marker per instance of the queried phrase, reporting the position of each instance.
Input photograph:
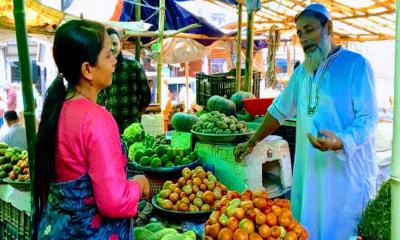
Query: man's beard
(315, 57)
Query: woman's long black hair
(75, 42)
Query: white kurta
(330, 189)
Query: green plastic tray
(222, 138)
(174, 169)
(22, 186)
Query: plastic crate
(10, 232)
(14, 219)
(222, 84)
(6, 210)
(27, 226)
(3, 210)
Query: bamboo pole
(187, 86)
(137, 40)
(239, 48)
(161, 19)
(395, 168)
(26, 80)
(249, 53)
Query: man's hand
(328, 141)
(242, 150)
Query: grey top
(15, 137)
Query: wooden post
(161, 19)
(238, 48)
(249, 53)
(289, 60)
(137, 40)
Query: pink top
(11, 99)
(88, 142)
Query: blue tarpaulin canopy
(178, 17)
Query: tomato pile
(253, 216)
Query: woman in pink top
(81, 187)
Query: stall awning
(42, 19)
(352, 20)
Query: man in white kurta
(335, 170)
(330, 188)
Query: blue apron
(71, 213)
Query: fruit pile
(164, 156)
(218, 123)
(13, 163)
(197, 190)
(253, 216)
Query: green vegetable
(145, 161)
(177, 160)
(2, 151)
(222, 105)
(161, 150)
(149, 141)
(154, 227)
(160, 234)
(142, 233)
(3, 145)
(171, 153)
(139, 154)
(190, 234)
(244, 116)
(7, 167)
(133, 133)
(155, 162)
(149, 152)
(135, 148)
(176, 236)
(15, 159)
(183, 121)
(10, 152)
(187, 151)
(169, 164)
(238, 98)
(185, 161)
(164, 159)
(193, 156)
(376, 219)
(205, 117)
(201, 113)
(19, 150)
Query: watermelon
(238, 98)
(222, 105)
(183, 121)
